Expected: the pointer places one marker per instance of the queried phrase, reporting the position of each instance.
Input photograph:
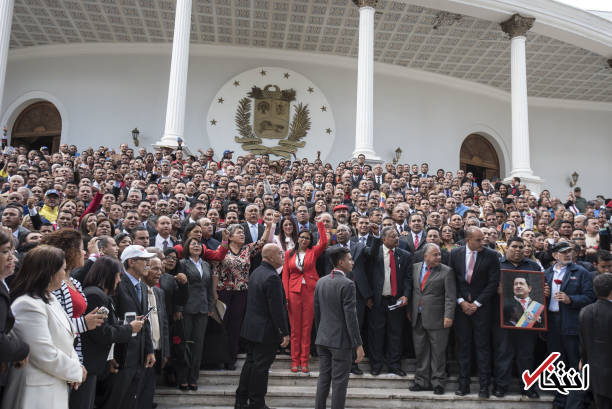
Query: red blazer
(207, 254)
(292, 276)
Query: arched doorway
(477, 155)
(39, 124)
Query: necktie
(154, 320)
(362, 240)
(425, 277)
(471, 263)
(165, 244)
(524, 303)
(393, 273)
(416, 241)
(138, 292)
(254, 232)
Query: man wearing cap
(132, 358)
(568, 289)
(341, 213)
(50, 207)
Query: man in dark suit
(416, 236)
(264, 328)
(357, 274)
(569, 288)
(158, 320)
(338, 330)
(477, 273)
(253, 230)
(432, 235)
(432, 312)
(511, 345)
(390, 285)
(137, 355)
(363, 232)
(595, 339)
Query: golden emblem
(271, 121)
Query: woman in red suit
(299, 279)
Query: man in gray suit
(432, 313)
(338, 330)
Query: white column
(364, 124)
(6, 19)
(516, 27)
(177, 87)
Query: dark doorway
(478, 156)
(39, 124)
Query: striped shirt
(78, 324)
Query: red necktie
(393, 273)
(425, 277)
(416, 241)
(524, 303)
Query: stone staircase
(216, 389)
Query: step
(284, 377)
(283, 362)
(213, 396)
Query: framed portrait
(522, 302)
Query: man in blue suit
(568, 289)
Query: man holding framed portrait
(522, 313)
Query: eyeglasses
(304, 238)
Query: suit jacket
(12, 349)
(292, 276)
(80, 273)
(200, 299)
(577, 284)
(376, 278)
(97, 342)
(369, 239)
(485, 277)
(358, 275)
(53, 360)
(162, 317)
(265, 320)
(336, 312)
(595, 340)
(133, 353)
(419, 256)
(438, 298)
(513, 311)
(409, 239)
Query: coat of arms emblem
(271, 120)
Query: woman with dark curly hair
(70, 294)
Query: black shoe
(240, 404)
(397, 371)
(438, 390)
(531, 394)
(183, 387)
(375, 371)
(419, 388)
(193, 387)
(355, 370)
(230, 366)
(499, 392)
(484, 393)
(462, 390)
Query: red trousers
(301, 316)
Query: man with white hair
(432, 313)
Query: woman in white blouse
(40, 321)
(287, 238)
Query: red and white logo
(553, 376)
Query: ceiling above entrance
(406, 35)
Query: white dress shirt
(159, 242)
(559, 273)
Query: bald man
(264, 328)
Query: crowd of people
(126, 270)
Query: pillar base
(172, 144)
(371, 156)
(531, 182)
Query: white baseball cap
(135, 251)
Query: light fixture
(135, 134)
(444, 18)
(574, 179)
(396, 155)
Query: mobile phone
(103, 310)
(148, 313)
(99, 244)
(129, 317)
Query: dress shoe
(230, 366)
(305, 369)
(531, 394)
(419, 388)
(183, 387)
(355, 370)
(397, 371)
(295, 369)
(438, 390)
(484, 393)
(375, 371)
(462, 390)
(193, 387)
(499, 392)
